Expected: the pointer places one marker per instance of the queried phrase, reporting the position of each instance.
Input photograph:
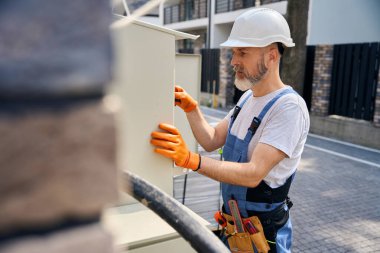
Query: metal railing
(233, 5)
(195, 9)
(188, 10)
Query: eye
(239, 53)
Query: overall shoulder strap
(238, 107)
(257, 120)
(249, 93)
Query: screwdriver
(250, 227)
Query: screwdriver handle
(250, 227)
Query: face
(249, 67)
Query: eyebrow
(241, 49)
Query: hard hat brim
(238, 43)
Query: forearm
(243, 174)
(249, 174)
(205, 134)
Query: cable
(184, 189)
(175, 214)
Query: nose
(234, 60)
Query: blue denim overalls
(262, 199)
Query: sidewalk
(336, 205)
(336, 200)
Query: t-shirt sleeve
(284, 127)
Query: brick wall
(226, 82)
(376, 118)
(322, 79)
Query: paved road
(336, 195)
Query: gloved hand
(171, 145)
(184, 100)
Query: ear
(273, 54)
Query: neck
(271, 82)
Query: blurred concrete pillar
(86, 239)
(54, 47)
(57, 148)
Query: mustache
(237, 68)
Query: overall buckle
(254, 125)
(236, 112)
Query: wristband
(199, 165)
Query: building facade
(342, 74)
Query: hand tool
(236, 216)
(250, 227)
(220, 219)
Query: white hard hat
(259, 27)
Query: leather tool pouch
(242, 242)
(272, 222)
(258, 238)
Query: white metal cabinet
(144, 78)
(145, 72)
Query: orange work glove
(184, 100)
(171, 145)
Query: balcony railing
(188, 10)
(233, 5)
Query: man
(263, 137)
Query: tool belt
(272, 222)
(266, 223)
(242, 242)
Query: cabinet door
(144, 77)
(188, 76)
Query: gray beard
(251, 80)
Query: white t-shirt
(285, 127)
